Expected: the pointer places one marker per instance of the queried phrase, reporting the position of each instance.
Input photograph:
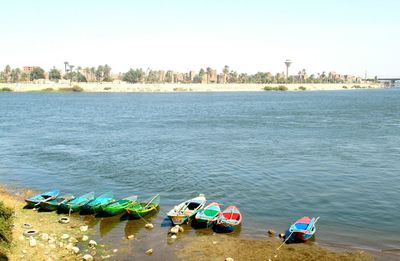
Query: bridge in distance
(390, 82)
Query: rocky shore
(46, 235)
(49, 236)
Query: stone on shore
(149, 226)
(87, 257)
(44, 237)
(174, 236)
(229, 259)
(84, 228)
(64, 236)
(72, 240)
(281, 235)
(149, 252)
(271, 232)
(32, 242)
(130, 237)
(75, 250)
(92, 243)
(85, 238)
(174, 230)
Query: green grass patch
(75, 88)
(5, 89)
(302, 88)
(276, 88)
(6, 215)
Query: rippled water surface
(278, 156)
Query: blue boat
(76, 204)
(53, 204)
(47, 196)
(302, 230)
(94, 206)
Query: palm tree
(209, 70)
(225, 71)
(65, 67)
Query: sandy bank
(220, 247)
(51, 242)
(124, 87)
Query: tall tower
(288, 63)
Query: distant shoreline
(176, 87)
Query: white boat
(182, 212)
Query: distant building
(28, 69)
(221, 78)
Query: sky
(346, 36)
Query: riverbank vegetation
(6, 215)
(103, 73)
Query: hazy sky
(347, 36)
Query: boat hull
(179, 220)
(48, 206)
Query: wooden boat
(184, 211)
(119, 206)
(209, 214)
(229, 219)
(144, 208)
(76, 204)
(53, 204)
(94, 206)
(47, 196)
(301, 230)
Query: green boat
(119, 206)
(144, 208)
(53, 205)
(76, 204)
(94, 206)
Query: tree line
(102, 73)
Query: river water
(276, 155)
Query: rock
(75, 249)
(85, 238)
(52, 240)
(174, 230)
(281, 235)
(174, 236)
(229, 259)
(84, 228)
(69, 247)
(52, 246)
(44, 237)
(21, 238)
(149, 226)
(88, 257)
(72, 240)
(61, 244)
(23, 251)
(271, 232)
(149, 252)
(215, 242)
(32, 242)
(105, 257)
(115, 250)
(181, 229)
(92, 243)
(131, 237)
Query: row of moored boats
(194, 209)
